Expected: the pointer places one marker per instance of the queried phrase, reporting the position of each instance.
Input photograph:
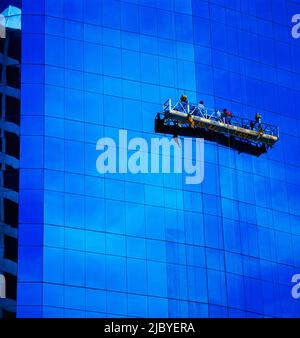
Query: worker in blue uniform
(201, 108)
(184, 104)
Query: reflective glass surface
(119, 245)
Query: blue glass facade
(117, 245)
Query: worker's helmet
(201, 102)
(183, 98)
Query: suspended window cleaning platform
(244, 135)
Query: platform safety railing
(216, 116)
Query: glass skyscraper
(10, 47)
(149, 245)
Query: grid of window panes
(150, 245)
